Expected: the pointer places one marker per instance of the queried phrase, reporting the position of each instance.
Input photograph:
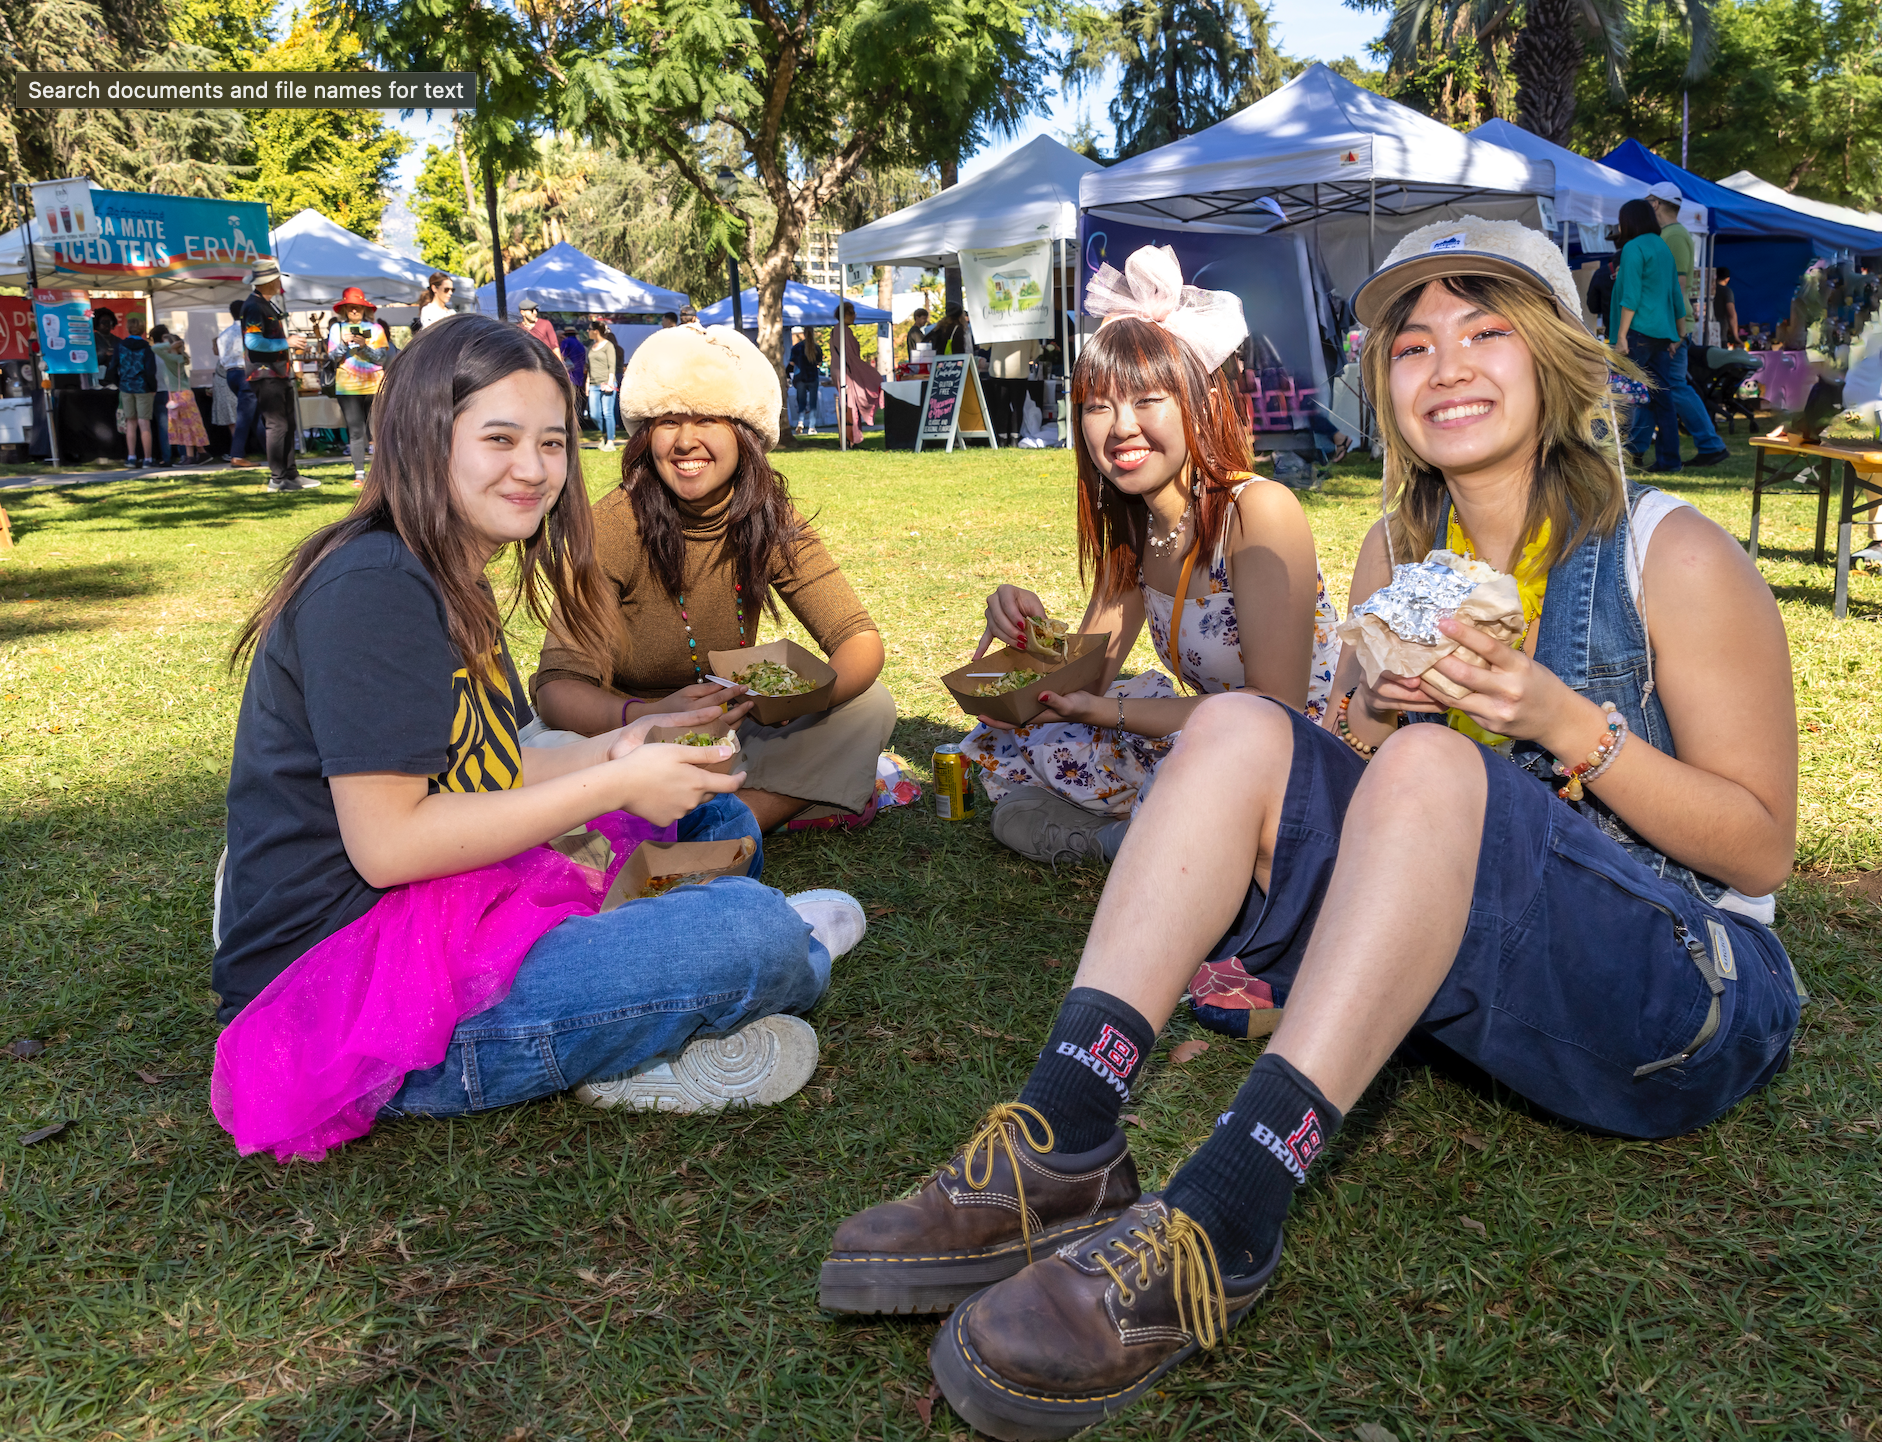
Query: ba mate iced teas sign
(85, 239)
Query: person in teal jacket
(1643, 320)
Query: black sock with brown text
(1083, 1077)
(1242, 1179)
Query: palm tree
(1552, 38)
(1185, 64)
(557, 173)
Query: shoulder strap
(1177, 603)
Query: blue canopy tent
(563, 278)
(803, 305)
(1766, 246)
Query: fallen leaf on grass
(1131, 1119)
(1052, 962)
(878, 911)
(1373, 1432)
(43, 1134)
(1474, 1225)
(1188, 1050)
(149, 1078)
(25, 1047)
(588, 1275)
(1472, 1139)
(924, 1406)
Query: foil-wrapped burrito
(1396, 628)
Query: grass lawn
(548, 1271)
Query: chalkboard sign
(940, 412)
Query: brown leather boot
(1002, 1201)
(1083, 1334)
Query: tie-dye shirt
(356, 374)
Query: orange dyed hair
(1129, 358)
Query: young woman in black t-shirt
(392, 931)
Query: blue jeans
(1656, 419)
(1690, 409)
(601, 995)
(807, 405)
(245, 403)
(601, 408)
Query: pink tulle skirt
(308, 1063)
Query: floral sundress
(1110, 772)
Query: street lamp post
(727, 183)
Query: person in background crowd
(1643, 325)
(1725, 305)
(137, 391)
(669, 319)
(949, 337)
(434, 301)
(232, 363)
(104, 325)
(917, 329)
(862, 381)
(806, 373)
(1601, 288)
(160, 402)
(184, 423)
(603, 379)
(575, 356)
(270, 369)
(543, 330)
(1691, 410)
(689, 315)
(360, 348)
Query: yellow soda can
(953, 786)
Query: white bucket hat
(1469, 245)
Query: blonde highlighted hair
(1577, 485)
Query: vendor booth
(1745, 183)
(565, 279)
(319, 259)
(812, 309)
(1291, 203)
(1018, 215)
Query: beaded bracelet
(1346, 732)
(1598, 760)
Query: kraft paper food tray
(678, 858)
(776, 710)
(1081, 670)
(721, 727)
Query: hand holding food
(1045, 637)
(634, 735)
(1395, 630)
(1007, 610)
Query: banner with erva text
(1007, 291)
(124, 240)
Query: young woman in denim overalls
(1597, 942)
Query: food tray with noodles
(790, 657)
(654, 868)
(1016, 704)
(710, 733)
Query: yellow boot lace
(1201, 1307)
(996, 1133)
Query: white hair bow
(1209, 322)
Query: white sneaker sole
(758, 1065)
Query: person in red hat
(359, 347)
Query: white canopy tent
(1745, 183)
(566, 279)
(319, 259)
(1029, 195)
(1349, 168)
(1586, 191)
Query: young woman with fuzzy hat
(1561, 878)
(697, 543)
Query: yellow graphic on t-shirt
(484, 754)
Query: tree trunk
(769, 273)
(463, 168)
(496, 238)
(952, 294)
(1545, 60)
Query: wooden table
(1794, 464)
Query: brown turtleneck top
(651, 657)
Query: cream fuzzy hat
(692, 371)
(1469, 245)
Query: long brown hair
(762, 526)
(1131, 358)
(1576, 485)
(408, 490)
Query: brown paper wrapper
(1495, 607)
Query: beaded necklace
(692, 643)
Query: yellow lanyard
(1532, 583)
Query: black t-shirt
(1722, 298)
(358, 674)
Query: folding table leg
(1824, 487)
(1757, 502)
(1844, 517)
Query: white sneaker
(758, 1065)
(836, 918)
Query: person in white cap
(1449, 886)
(1687, 405)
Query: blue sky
(1309, 29)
